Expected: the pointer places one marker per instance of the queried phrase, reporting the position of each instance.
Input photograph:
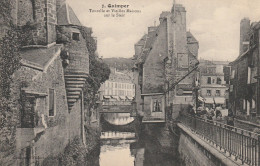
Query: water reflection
(119, 155)
(122, 146)
(118, 118)
(123, 149)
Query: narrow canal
(129, 148)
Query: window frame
(218, 94)
(75, 38)
(54, 102)
(209, 82)
(157, 105)
(209, 93)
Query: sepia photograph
(129, 83)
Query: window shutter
(51, 102)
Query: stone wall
(52, 133)
(78, 52)
(42, 15)
(25, 12)
(138, 99)
(46, 19)
(191, 154)
(195, 151)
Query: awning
(122, 97)
(129, 98)
(106, 97)
(114, 97)
(218, 100)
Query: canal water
(119, 148)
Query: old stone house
(164, 74)
(212, 83)
(244, 77)
(48, 86)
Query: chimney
(59, 3)
(46, 19)
(150, 29)
(244, 35)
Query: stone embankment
(76, 152)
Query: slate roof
(66, 16)
(39, 57)
(142, 40)
(150, 38)
(192, 38)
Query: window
(208, 92)
(51, 102)
(249, 75)
(115, 85)
(218, 80)
(233, 74)
(157, 106)
(244, 104)
(75, 36)
(231, 88)
(226, 92)
(253, 103)
(217, 92)
(209, 80)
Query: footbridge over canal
(116, 107)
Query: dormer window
(75, 36)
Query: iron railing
(242, 144)
(116, 102)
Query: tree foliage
(98, 70)
(9, 63)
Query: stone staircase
(74, 86)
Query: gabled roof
(254, 26)
(191, 38)
(66, 16)
(150, 38)
(239, 57)
(142, 40)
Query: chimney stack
(59, 3)
(244, 35)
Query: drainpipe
(82, 119)
(258, 81)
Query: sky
(214, 23)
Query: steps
(74, 84)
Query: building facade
(119, 87)
(213, 86)
(46, 92)
(165, 64)
(244, 77)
